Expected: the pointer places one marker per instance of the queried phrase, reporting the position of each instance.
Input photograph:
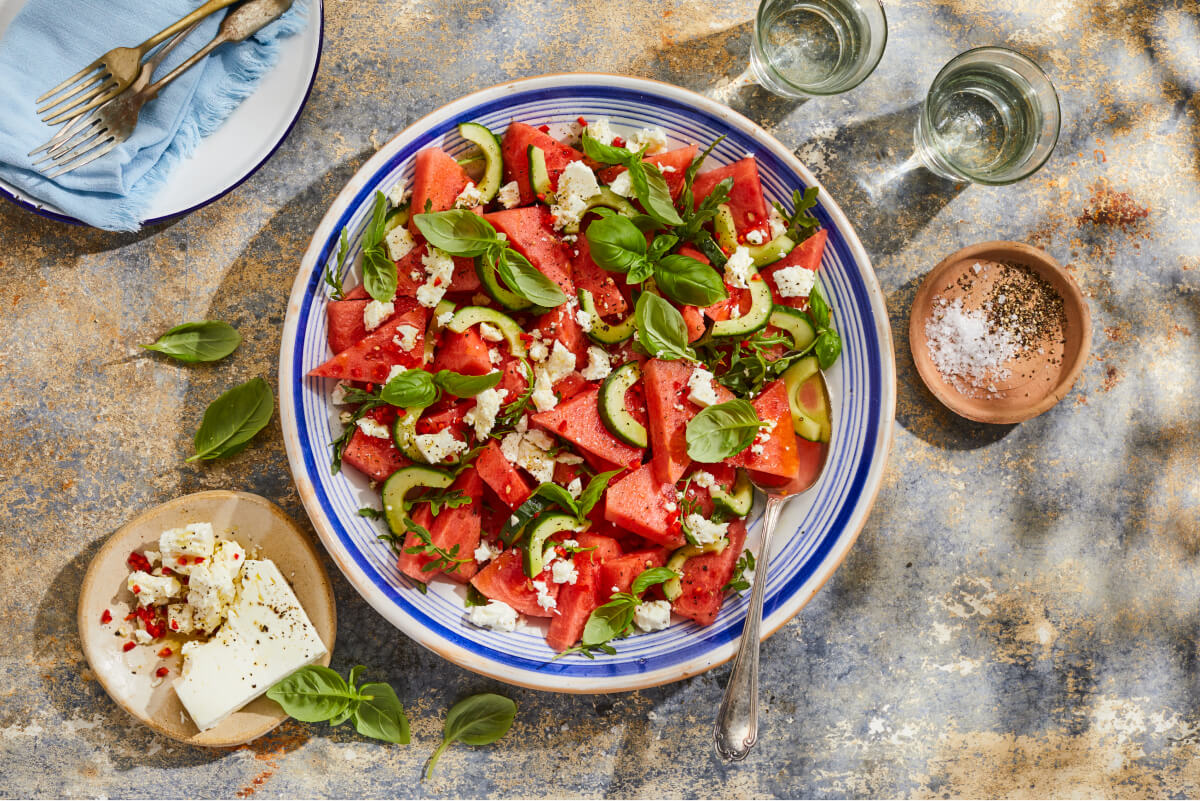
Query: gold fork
(112, 73)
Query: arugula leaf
(616, 244)
(459, 232)
(444, 560)
(410, 388)
(689, 281)
(594, 491)
(510, 414)
(528, 281)
(335, 273)
(722, 430)
(379, 271)
(203, 341)
(660, 328)
(648, 578)
(800, 224)
(232, 420)
(316, 693)
(370, 513)
(476, 720)
(466, 386)
(438, 499)
(689, 175)
(738, 583)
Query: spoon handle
(736, 729)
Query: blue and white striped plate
(822, 524)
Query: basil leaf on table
(410, 388)
(648, 578)
(660, 328)
(379, 271)
(203, 341)
(466, 386)
(615, 243)
(477, 720)
(380, 714)
(688, 281)
(594, 491)
(722, 430)
(313, 694)
(528, 281)
(458, 232)
(233, 419)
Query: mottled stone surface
(1019, 617)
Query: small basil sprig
(232, 420)
(203, 341)
(722, 430)
(646, 179)
(416, 387)
(549, 494)
(379, 271)
(614, 619)
(460, 232)
(336, 272)
(661, 329)
(316, 693)
(476, 720)
(828, 344)
(618, 245)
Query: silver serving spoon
(736, 729)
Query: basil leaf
(688, 281)
(662, 245)
(355, 673)
(466, 386)
(616, 244)
(608, 621)
(204, 341)
(594, 491)
(476, 720)
(514, 527)
(656, 196)
(410, 388)
(374, 233)
(648, 578)
(313, 694)
(606, 154)
(379, 271)
(818, 309)
(459, 232)
(689, 175)
(828, 347)
(527, 281)
(660, 328)
(380, 714)
(233, 419)
(721, 431)
(556, 494)
(475, 597)
(640, 272)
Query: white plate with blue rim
(816, 530)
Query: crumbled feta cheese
(622, 184)
(598, 366)
(483, 414)
(615, 588)
(569, 543)
(522, 425)
(543, 396)
(152, 590)
(755, 237)
(652, 615)
(469, 197)
(575, 487)
(777, 223)
(538, 351)
(509, 195)
(406, 337)
(757, 449)
(393, 371)
(444, 318)
(665, 168)
(154, 557)
(600, 130)
(653, 139)
(338, 396)
(436, 448)
(576, 185)
(490, 332)
(532, 456)
(700, 382)
(795, 281)
(704, 479)
(399, 242)
(345, 418)
(398, 193)
(179, 618)
(373, 428)
(495, 356)
(182, 548)
(544, 598)
(705, 532)
(210, 592)
(496, 615)
(439, 267)
(561, 362)
(143, 637)
(229, 555)
(563, 571)
(739, 267)
(375, 313)
(486, 552)
(541, 439)
(584, 319)
(569, 458)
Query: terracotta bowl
(128, 676)
(1039, 376)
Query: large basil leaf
(380, 714)
(466, 386)
(313, 694)
(476, 720)
(233, 419)
(528, 281)
(648, 578)
(379, 271)
(655, 196)
(616, 244)
(203, 341)
(410, 388)
(688, 281)
(459, 232)
(661, 329)
(722, 430)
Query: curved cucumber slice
(725, 229)
(398, 486)
(468, 316)
(738, 500)
(539, 175)
(541, 530)
(602, 332)
(764, 254)
(809, 399)
(395, 218)
(795, 323)
(404, 433)
(613, 411)
(672, 588)
(493, 169)
(491, 284)
(755, 318)
(608, 199)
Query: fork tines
(94, 77)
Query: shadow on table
(65, 241)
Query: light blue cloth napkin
(52, 39)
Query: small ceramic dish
(129, 676)
(982, 277)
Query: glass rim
(756, 44)
(1053, 93)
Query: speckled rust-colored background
(1019, 617)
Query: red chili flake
(131, 616)
(541, 195)
(237, 556)
(164, 653)
(199, 559)
(618, 142)
(544, 128)
(437, 281)
(166, 571)
(553, 218)
(129, 646)
(181, 560)
(162, 671)
(756, 277)
(137, 590)
(581, 121)
(527, 338)
(174, 625)
(106, 616)
(139, 562)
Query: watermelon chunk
(576, 601)
(638, 502)
(605, 547)
(705, 576)
(676, 161)
(500, 474)
(693, 318)
(464, 353)
(504, 580)
(515, 380)
(807, 255)
(668, 412)
(515, 150)
(746, 200)
(372, 456)
(597, 280)
(778, 456)
(578, 420)
(531, 234)
(621, 571)
(437, 179)
(811, 456)
(345, 323)
(372, 358)
(452, 528)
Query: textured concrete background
(1019, 617)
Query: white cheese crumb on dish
(486, 552)
(495, 615)
(399, 242)
(483, 414)
(469, 197)
(652, 615)
(398, 194)
(600, 130)
(755, 237)
(576, 185)
(599, 365)
(703, 531)
(490, 333)
(373, 428)
(436, 448)
(700, 382)
(439, 269)
(739, 267)
(544, 599)
(509, 195)
(152, 590)
(653, 139)
(795, 281)
(622, 184)
(406, 337)
(375, 313)
(563, 571)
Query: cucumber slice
(764, 254)
(468, 316)
(607, 199)
(404, 433)
(602, 332)
(541, 530)
(434, 328)
(489, 182)
(738, 500)
(755, 318)
(672, 588)
(398, 486)
(725, 229)
(613, 411)
(809, 398)
(491, 285)
(395, 218)
(539, 175)
(795, 323)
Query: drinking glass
(803, 48)
(991, 116)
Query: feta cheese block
(265, 638)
